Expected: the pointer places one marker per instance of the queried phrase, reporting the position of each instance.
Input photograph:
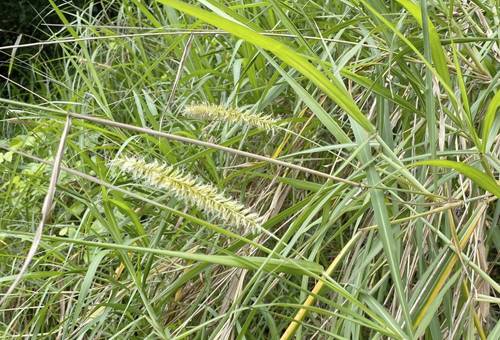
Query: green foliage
(398, 100)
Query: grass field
(253, 170)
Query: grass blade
(289, 56)
(478, 177)
(491, 114)
(290, 266)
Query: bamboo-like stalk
(301, 314)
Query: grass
(362, 134)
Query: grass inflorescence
(231, 115)
(190, 189)
(364, 133)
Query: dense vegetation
(227, 168)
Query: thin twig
(176, 33)
(233, 151)
(170, 136)
(212, 146)
(46, 209)
(156, 133)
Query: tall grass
(370, 211)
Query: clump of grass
(380, 113)
(231, 115)
(191, 190)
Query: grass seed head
(191, 190)
(231, 115)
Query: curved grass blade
(331, 87)
(478, 177)
(489, 119)
(437, 52)
(495, 333)
(290, 266)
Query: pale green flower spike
(231, 115)
(191, 190)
